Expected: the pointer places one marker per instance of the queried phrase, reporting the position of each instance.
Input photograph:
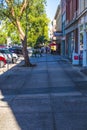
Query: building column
(79, 40)
(85, 48)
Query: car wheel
(2, 64)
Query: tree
(38, 22)
(24, 15)
(3, 35)
(8, 30)
(39, 27)
(14, 10)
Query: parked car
(30, 51)
(14, 55)
(2, 46)
(2, 61)
(11, 55)
(6, 55)
(16, 50)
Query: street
(50, 96)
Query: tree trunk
(25, 52)
(24, 44)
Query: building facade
(63, 21)
(57, 27)
(71, 27)
(72, 22)
(82, 33)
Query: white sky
(51, 8)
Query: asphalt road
(50, 96)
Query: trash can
(75, 59)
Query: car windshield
(4, 51)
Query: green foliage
(2, 38)
(34, 20)
(8, 30)
(37, 22)
(3, 34)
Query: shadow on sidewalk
(9, 90)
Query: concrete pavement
(50, 96)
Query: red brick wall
(63, 6)
(71, 8)
(67, 9)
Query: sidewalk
(44, 97)
(79, 68)
(9, 66)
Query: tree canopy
(36, 20)
(26, 19)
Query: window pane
(82, 4)
(85, 3)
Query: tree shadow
(13, 114)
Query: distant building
(53, 29)
(63, 21)
(57, 27)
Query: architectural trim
(76, 19)
(82, 13)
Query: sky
(51, 8)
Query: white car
(9, 56)
(14, 57)
(6, 55)
(30, 51)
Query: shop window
(86, 26)
(85, 3)
(82, 5)
(81, 28)
(81, 41)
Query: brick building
(82, 33)
(71, 27)
(63, 20)
(74, 28)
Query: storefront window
(81, 28)
(81, 41)
(86, 26)
(82, 5)
(72, 42)
(85, 3)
